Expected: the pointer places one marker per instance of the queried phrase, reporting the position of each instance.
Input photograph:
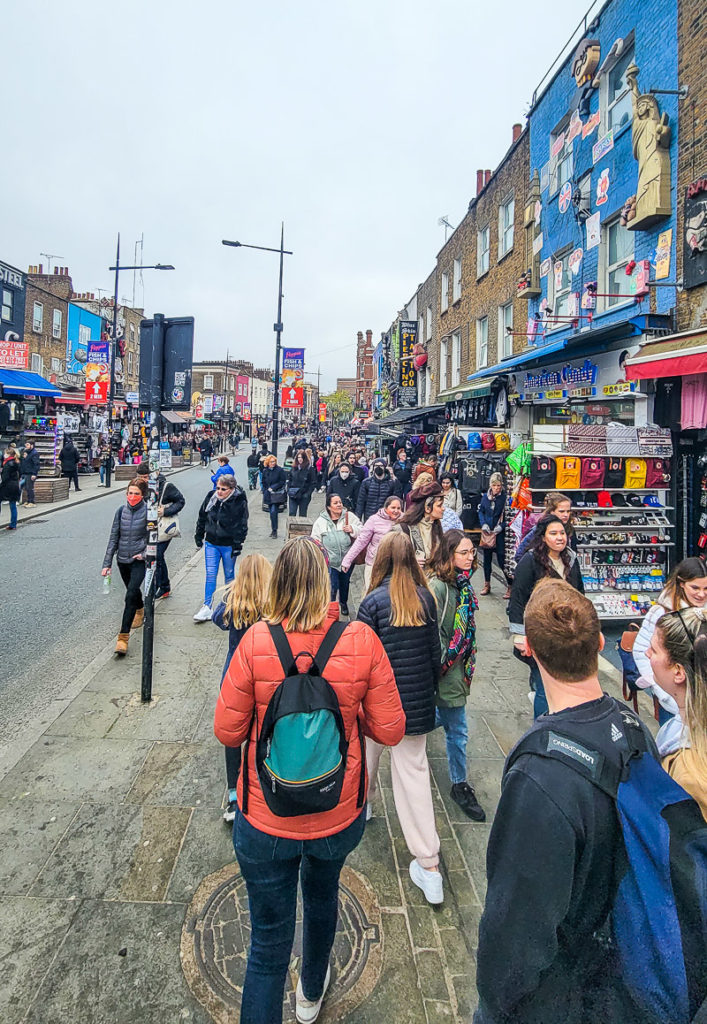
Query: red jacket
(361, 675)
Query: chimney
(487, 178)
(479, 182)
(517, 131)
(369, 337)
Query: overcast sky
(357, 123)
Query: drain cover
(216, 937)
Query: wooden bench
(299, 526)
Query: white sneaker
(306, 1011)
(429, 881)
(204, 614)
(369, 812)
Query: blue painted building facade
(82, 327)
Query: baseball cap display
(652, 501)
(634, 500)
(619, 500)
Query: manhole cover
(216, 937)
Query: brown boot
(138, 618)
(486, 589)
(507, 595)
(121, 646)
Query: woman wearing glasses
(221, 528)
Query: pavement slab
(180, 775)
(29, 836)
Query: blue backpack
(658, 923)
(301, 750)
(473, 441)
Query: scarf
(214, 498)
(463, 640)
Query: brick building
(348, 385)
(364, 372)
(46, 317)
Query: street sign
(133, 397)
(97, 392)
(292, 398)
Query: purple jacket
(373, 531)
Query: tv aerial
(51, 256)
(444, 220)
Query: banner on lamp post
(292, 398)
(292, 375)
(322, 412)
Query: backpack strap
(362, 777)
(284, 651)
(244, 763)
(326, 647)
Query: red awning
(66, 399)
(675, 356)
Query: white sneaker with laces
(429, 881)
(204, 614)
(307, 1011)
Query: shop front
(23, 399)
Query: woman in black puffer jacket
(127, 541)
(300, 486)
(405, 619)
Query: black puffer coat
(128, 534)
(346, 489)
(69, 457)
(10, 481)
(225, 524)
(373, 493)
(413, 652)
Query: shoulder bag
(167, 526)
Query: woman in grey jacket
(127, 541)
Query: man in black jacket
(375, 489)
(556, 850)
(29, 468)
(69, 459)
(171, 501)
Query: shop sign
(554, 396)
(598, 410)
(695, 234)
(565, 197)
(603, 146)
(292, 375)
(586, 374)
(575, 127)
(575, 260)
(14, 355)
(10, 276)
(246, 411)
(624, 387)
(545, 267)
(589, 295)
(133, 397)
(97, 392)
(218, 403)
(583, 392)
(322, 412)
(662, 255)
(208, 404)
(593, 230)
(407, 374)
(591, 124)
(292, 398)
(603, 187)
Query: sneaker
(161, 594)
(429, 881)
(204, 614)
(229, 814)
(464, 795)
(273, 534)
(306, 1010)
(369, 812)
(344, 608)
(29, 504)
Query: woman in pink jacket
(372, 532)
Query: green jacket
(452, 689)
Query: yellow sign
(624, 387)
(662, 254)
(554, 396)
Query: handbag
(487, 541)
(167, 526)
(277, 497)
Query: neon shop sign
(569, 379)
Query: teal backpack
(301, 751)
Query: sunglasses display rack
(47, 434)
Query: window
(8, 298)
(84, 335)
(428, 385)
(505, 328)
(561, 164)
(36, 364)
(444, 300)
(617, 246)
(130, 362)
(208, 382)
(457, 280)
(456, 358)
(57, 366)
(619, 107)
(482, 342)
(443, 365)
(562, 300)
(37, 318)
(428, 334)
(505, 227)
(56, 323)
(132, 332)
(483, 250)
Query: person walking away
(550, 555)
(288, 461)
(276, 853)
(274, 485)
(170, 502)
(29, 469)
(242, 605)
(10, 483)
(127, 543)
(555, 503)
(206, 450)
(492, 509)
(403, 472)
(452, 495)
(336, 528)
(346, 485)
(546, 916)
(69, 459)
(686, 587)
(221, 528)
(104, 455)
(253, 464)
(375, 489)
(404, 618)
(301, 484)
(452, 566)
(224, 469)
(422, 521)
(372, 532)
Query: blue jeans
(453, 721)
(13, 513)
(272, 867)
(340, 582)
(540, 705)
(214, 556)
(274, 511)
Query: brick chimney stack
(517, 131)
(487, 178)
(479, 182)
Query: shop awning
(403, 415)
(674, 356)
(171, 417)
(22, 382)
(184, 417)
(209, 423)
(65, 398)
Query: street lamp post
(277, 327)
(114, 341)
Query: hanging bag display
(615, 473)
(635, 473)
(503, 443)
(488, 442)
(593, 473)
(542, 473)
(473, 441)
(569, 469)
(657, 473)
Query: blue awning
(22, 382)
(520, 360)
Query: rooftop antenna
(51, 256)
(447, 226)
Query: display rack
(46, 434)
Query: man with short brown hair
(556, 850)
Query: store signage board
(14, 355)
(291, 398)
(569, 377)
(624, 387)
(292, 375)
(603, 146)
(407, 374)
(97, 392)
(133, 397)
(593, 229)
(662, 255)
(591, 124)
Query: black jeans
(72, 474)
(272, 867)
(340, 582)
(299, 506)
(161, 571)
(132, 573)
(500, 551)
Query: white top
(640, 647)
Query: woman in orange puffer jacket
(275, 853)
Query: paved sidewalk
(120, 899)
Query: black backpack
(301, 752)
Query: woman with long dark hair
(550, 556)
(274, 487)
(422, 521)
(492, 510)
(301, 484)
(400, 609)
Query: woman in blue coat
(492, 508)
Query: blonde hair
(246, 597)
(684, 636)
(300, 590)
(395, 557)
